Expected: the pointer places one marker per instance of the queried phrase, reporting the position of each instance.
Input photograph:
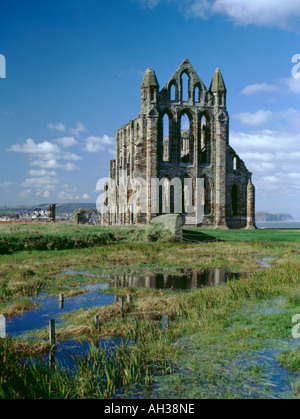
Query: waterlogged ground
(189, 312)
(52, 308)
(241, 360)
(98, 294)
(243, 357)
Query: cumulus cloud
(78, 130)
(46, 158)
(46, 182)
(68, 196)
(41, 173)
(26, 193)
(253, 89)
(148, 3)
(273, 157)
(6, 184)
(42, 182)
(57, 126)
(242, 12)
(282, 86)
(44, 194)
(46, 155)
(258, 12)
(292, 84)
(54, 164)
(94, 144)
(66, 142)
(30, 147)
(254, 119)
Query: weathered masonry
(182, 132)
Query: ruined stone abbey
(182, 132)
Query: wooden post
(97, 320)
(52, 332)
(61, 301)
(122, 306)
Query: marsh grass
(100, 373)
(290, 360)
(26, 274)
(37, 237)
(208, 347)
(212, 334)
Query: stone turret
(218, 89)
(150, 88)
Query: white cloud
(148, 3)
(65, 195)
(26, 193)
(288, 85)
(273, 157)
(292, 84)
(94, 144)
(66, 142)
(78, 130)
(58, 126)
(253, 89)
(44, 194)
(30, 147)
(54, 164)
(46, 155)
(85, 196)
(46, 182)
(41, 173)
(254, 119)
(258, 12)
(6, 184)
(242, 12)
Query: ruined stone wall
(199, 150)
(82, 216)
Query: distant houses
(9, 217)
(37, 214)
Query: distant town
(37, 214)
(64, 213)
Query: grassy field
(30, 237)
(277, 235)
(232, 341)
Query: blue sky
(73, 75)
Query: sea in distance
(295, 224)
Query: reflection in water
(53, 307)
(265, 262)
(188, 280)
